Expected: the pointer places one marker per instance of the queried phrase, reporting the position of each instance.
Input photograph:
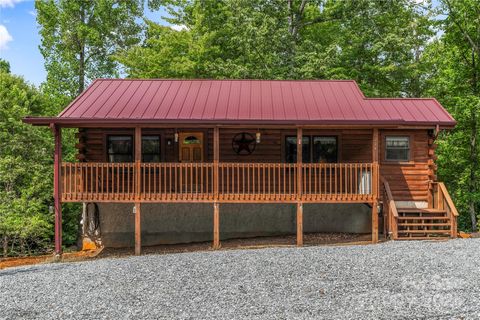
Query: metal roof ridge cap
(235, 79)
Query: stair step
(424, 224)
(415, 210)
(422, 238)
(424, 231)
(423, 218)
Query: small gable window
(397, 148)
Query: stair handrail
(444, 201)
(392, 208)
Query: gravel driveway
(393, 280)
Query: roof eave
(47, 121)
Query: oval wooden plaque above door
(190, 146)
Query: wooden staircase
(423, 224)
(439, 222)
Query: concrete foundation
(184, 223)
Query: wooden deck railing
(339, 181)
(98, 181)
(176, 181)
(257, 181)
(390, 212)
(237, 182)
(443, 201)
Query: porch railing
(176, 181)
(237, 182)
(257, 181)
(339, 181)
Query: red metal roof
(246, 101)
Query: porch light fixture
(257, 137)
(176, 137)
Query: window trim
(410, 149)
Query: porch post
(137, 210)
(57, 170)
(375, 179)
(299, 187)
(216, 226)
(216, 208)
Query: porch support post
(375, 186)
(299, 224)
(137, 210)
(216, 207)
(138, 231)
(216, 225)
(299, 187)
(57, 169)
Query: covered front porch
(196, 177)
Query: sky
(19, 39)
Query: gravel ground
(392, 280)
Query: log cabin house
(168, 161)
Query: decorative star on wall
(243, 143)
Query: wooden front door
(190, 146)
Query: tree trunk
(473, 146)
(5, 246)
(473, 171)
(81, 71)
(81, 59)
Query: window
(150, 149)
(315, 149)
(191, 140)
(325, 149)
(291, 149)
(397, 148)
(120, 148)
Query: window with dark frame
(325, 149)
(120, 148)
(150, 149)
(291, 149)
(315, 149)
(397, 148)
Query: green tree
(25, 169)
(454, 64)
(4, 66)
(79, 38)
(78, 41)
(378, 43)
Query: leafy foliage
(378, 43)
(25, 168)
(453, 62)
(80, 36)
